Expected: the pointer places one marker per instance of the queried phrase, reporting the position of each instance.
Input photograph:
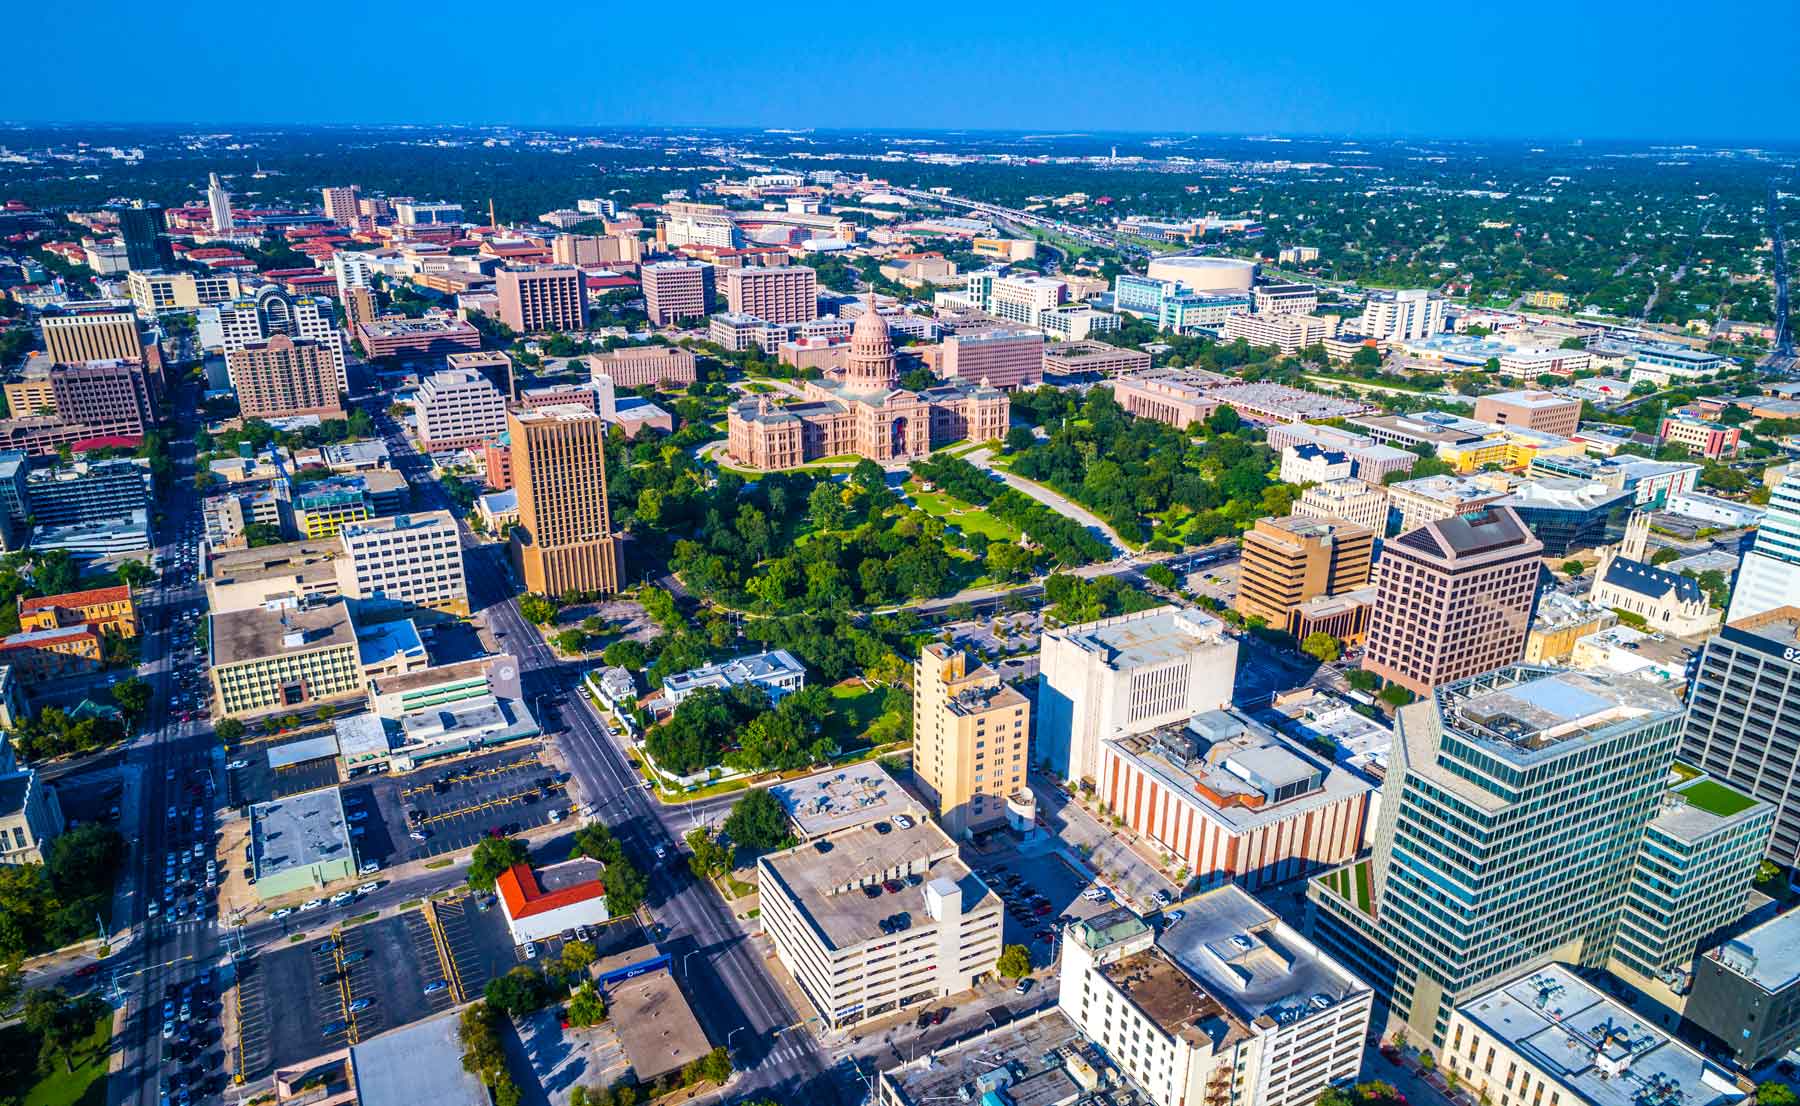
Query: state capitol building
(861, 410)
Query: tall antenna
(493, 222)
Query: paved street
(1061, 505)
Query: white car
(312, 904)
(365, 888)
(531, 950)
(342, 897)
(235, 764)
(282, 913)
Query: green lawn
(1716, 798)
(971, 519)
(1685, 771)
(1351, 885)
(85, 1087)
(854, 709)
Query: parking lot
(326, 992)
(479, 943)
(253, 781)
(1039, 888)
(449, 808)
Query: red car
(86, 970)
(1041, 909)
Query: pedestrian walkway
(1060, 504)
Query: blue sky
(1596, 70)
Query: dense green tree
(758, 821)
(1014, 963)
(1322, 647)
(492, 856)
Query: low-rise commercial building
(1746, 992)
(298, 572)
(1226, 1004)
(1711, 440)
(870, 922)
(299, 843)
(283, 658)
(1561, 620)
(539, 904)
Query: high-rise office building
(458, 409)
(352, 270)
(971, 741)
(1287, 561)
(1405, 316)
(1127, 675)
(285, 376)
(1006, 358)
(1769, 576)
(410, 560)
(773, 293)
(1743, 723)
(564, 540)
(677, 290)
(340, 204)
(99, 334)
(141, 229)
(542, 298)
(1454, 599)
(1526, 817)
(219, 202)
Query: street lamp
(732, 1034)
(684, 965)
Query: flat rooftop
(416, 1063)
(304, 560)
(1168, 997)
(299, 831)
(1695, 811)
(1252, 962)
(839, 799)
(1524, 710)
(1767, 955)
(655, 1025)
(1578, 1037)
(1147, 637)
(828, 877)
(1047, 1061)
(421, 678)
(239, 636)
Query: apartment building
(1454, 599)
(777, 294)
(675, 290)
(1287, 561)
(1347, 501)
(1549, 1035)
(542, 298)
(1227, 1004)
(156, 292)
(458, 409)
(564, 540)
(1532, 410)
(411, 560)
(108, 610)
(971, 743)
(340, 204)
(1008, 359)
(284, 376)
(78, 335)
(1290, 333)
(644, 366)
(264, 660)
(868, 922)
(1699, 437)
(1233, 800)
(1125, 675)
(1404, 316)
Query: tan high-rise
(542, 298)
(1454, 600)
(971, 738)
(285, 376)
(80, 336)
(1288, 561)
(341, 205)
(564, 539)
(774, 294)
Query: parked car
(436, 985)
(312, 904)
(531, 950)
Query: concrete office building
(773, 293)
(1288, 333)
(1284, 300)
(1127, 675)
(432, 335)
(154, 293)
(1435, 498)
(1531, 409)
(675, 290)
(564, 540)
(412, 560)
(1514, 814)
(858, 950)
(1022, 300)
(543, 298)
(79, 335)
(644, 366)
(300, 843)
(88, 491)
(458, 409)
(283, 377)
(1288, 561)
(1699, 437)
(1402, 316)
(91, 399)
(1744, 713)
(1454, 599)
(1006, 359)
(301, 572)
(1233, 800)
(419, 213)
(1550, 1036)
(1226, 1004)
(1175, 397)
(1746, 992)
(971, 744)
(265, 660)
(1345, 500)
(1068, 358)
(1769, 576)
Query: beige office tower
(341, 205)
(564, 539)
(775, 294)
(1454, 599)
(74, 337)
(359, 307)
(970, 738)
(1288, 561)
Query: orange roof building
(104, 609)
(539, 905)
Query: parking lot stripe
(446, 962)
